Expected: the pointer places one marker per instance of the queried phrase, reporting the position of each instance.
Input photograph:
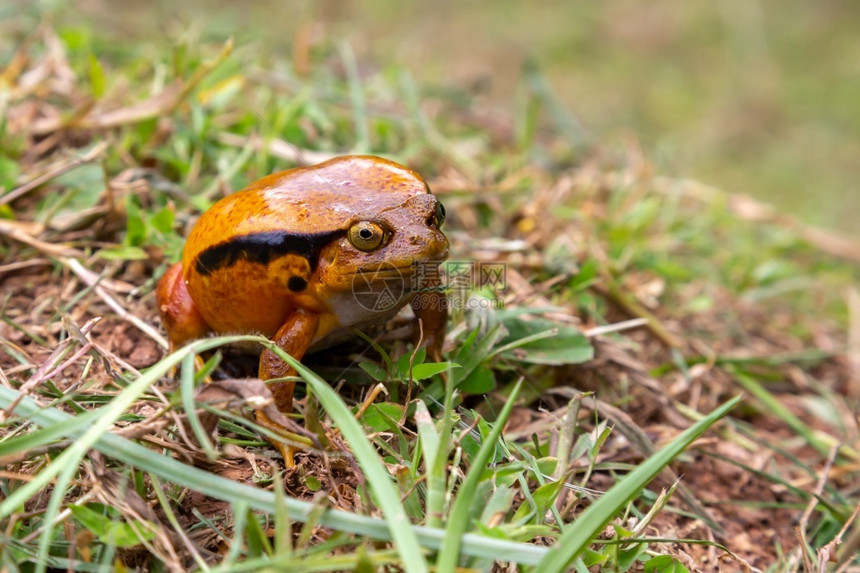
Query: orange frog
(304, 256)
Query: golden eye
(365, 236)
(437, 218)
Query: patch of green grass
(87, 431)
(551, 470)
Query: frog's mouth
(386, 270)
(397, 281)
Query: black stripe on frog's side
(264, 247)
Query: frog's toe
(287, 451)
(282, 441)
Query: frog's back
(307, 206)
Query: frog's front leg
(431, 309)
(294, 337)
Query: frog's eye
(365, 236)
(437, 218)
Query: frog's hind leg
(180, 317)
(294, 337)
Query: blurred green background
(752, 96)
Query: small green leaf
(771, 271)
(256, 541)
(97, 77)
(9, 172)
(135, 233)
(499, 504)
(402, 363)
(198, 120)
(562, 345)
(701, 303)
(424, 371)
(162, 220)
(586, 276)
(380, 417)
(482, 380)
(313, 483)
(525, 514)
(408, 493)
(123, 253)
(547, 465)
(375, 371)
(601, 438)
(664, 564)
(364, 564)
(109, 531)
(77, 38)
(591, 558)
(80, 190)
(545, 496)
(627, 557)
(474, 351)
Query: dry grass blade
(51, 365)
(88, 278)
(161, 104)
(848, 552)
(276, 147)
(810, 507)
(25, 232)
(750, 209)
(65, 166)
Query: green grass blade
(458, 519)
(240, 519)
(356, 96)
(427, 432)
(577, 537)
(225, 489)
(45, 436)
(283, 524)
(186, 389)
(437, 473)
(66, 473)
(563, 119)
(387, 496)
(433, 445)
(776, 408)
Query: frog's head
(390, 223)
